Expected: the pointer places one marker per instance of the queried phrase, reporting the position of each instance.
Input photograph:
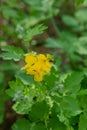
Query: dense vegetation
(43, 65)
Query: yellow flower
(38, 77)
(37, 65)
(30, 59)
(41, 58)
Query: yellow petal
(41, 57)
(38, 77)
(30, 60)
(25, 67)
(31, 72)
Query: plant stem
(27, 46)
(55, 26)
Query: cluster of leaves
(17, 25)
(59, 101)
(24, 14)
(7, 70)
(72, 39)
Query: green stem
(55, 26)
(27, 45)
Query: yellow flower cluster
(37, 65)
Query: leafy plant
(49, 93)
(47, 101)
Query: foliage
(11, 52)
(69, 41)
(58, 101)
(79, 1)
(47, 101)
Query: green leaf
(83, 92)
(83, 102)
(55, 124)
(70, 106)
(21, 124)
(2, 111)
(3, 98)
(23, 106)
(78, 2)
(9, 66)
(70, 128)
(12, 3)
(81, 16)
(72, 82)
(69, 20)
(85, 2)
(24, 95)
(74, 121)
(53, 43)
(16, 88)
(28, 33)
(51, 79)
(82, 50)
(11, 53)
(83, 122)
(39, 111)
(25, 78)
(8, 12)
(1, 77)
(38, 127)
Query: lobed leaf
(12, 53)
(72, 82)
